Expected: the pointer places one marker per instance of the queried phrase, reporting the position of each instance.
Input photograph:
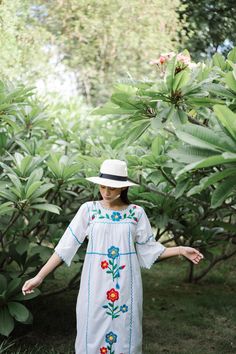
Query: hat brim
(110, 183)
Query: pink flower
(185, 59)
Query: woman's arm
(191, 253)
(51, 264)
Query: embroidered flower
(104, 264)
(113, 252)
(112, 295)
(111, 338)
(116, 216)
(124, 308)
(103, 350)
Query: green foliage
(187, 157)
(208, 26)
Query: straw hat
(113, 173)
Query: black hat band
(115, 178)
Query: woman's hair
(123, 196)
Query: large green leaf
(42, 190)
(227, 119)
(6, 208)
(18, 311)
(209, 162)
(32, 188)
(157, 144)
(13, 286)
(223, 191)
(170, 74)
(3, 283)
(48, 207)
(205, 138)
(180, 80)
(6, 321)
(190, 154)
(219, 60)
(230, 81)
(212, 179)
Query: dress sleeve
(74, 235)
(147, 248)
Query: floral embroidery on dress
(116, 215)
(113, 266)
(110, 338)
(112, 310)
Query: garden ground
(178, 317)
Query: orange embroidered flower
(104, 264)
(112, 295)
(103, 350)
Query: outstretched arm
(32, 283)
(191, 253)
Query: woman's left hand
(191, 253)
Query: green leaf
(13, 286)
(227, 119)
(48, 207)
(219, 60)
(208, 162)
(204, 101)
(170, 73)
(210, 180)
(205, 138)
(180, 80)
(232, 55)
(18, 311)
(3, 283)
(6, 208)
(190, 154)
(223, 191)
(157, 145)
(16, 181)
(138, 128)
(21, 297)
(32, 188)
(8, 195)
(43, 189)
(36, 175)
(6, 322)
(230, 81)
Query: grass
(178, 317)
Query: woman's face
(110, 194)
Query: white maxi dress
(110, 301)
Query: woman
(120, 241)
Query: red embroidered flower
(135, 219)
(93, 217)
(123, 266)
(135, 206)
(104, 264)
(112, 295)
(103, 350)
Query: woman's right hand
(30, 284)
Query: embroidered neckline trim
(116, 210)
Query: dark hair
(123, 196)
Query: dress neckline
(117, 210)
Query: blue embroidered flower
(111, 338)
(116, 216)
(113, 252)
(124, 308)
